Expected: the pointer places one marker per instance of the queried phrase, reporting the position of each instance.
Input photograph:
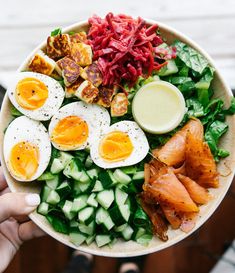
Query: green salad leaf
(56, 31)
(190, 57)
(231, 109)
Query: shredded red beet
(126, 48)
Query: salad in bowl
(125, 127)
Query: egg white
(96, 117)
(28, 130)
(137, 137)
(52, 104)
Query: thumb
(14, 204)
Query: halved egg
(26, 148)
(36, 95)
(122, 144)
(77, 124)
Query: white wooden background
(25, 23)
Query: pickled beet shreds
(125, 48)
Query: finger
(3, 183)
(29, 230)
(14, 204)
(21, 218)
(6, 190)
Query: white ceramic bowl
(126, 249)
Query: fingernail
(32, 199)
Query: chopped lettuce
(190, 57)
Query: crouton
(92, 74)
(58, 46)
(80, 37)
(41, 63)
(72, 89)
(119, 105)
(69, 70)
(81, 54)
(87, 92)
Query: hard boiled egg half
(123, 144)
(26, 148)
(35, 95)
(77, 124)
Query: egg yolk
(31, 93)
(70, 132)
(24, 160)
(115, 146)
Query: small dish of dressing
(158, 107)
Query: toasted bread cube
(119, 105)
(69, 70)
(81, 54)
(80, 37)
(92, 74)
(105, 96)
(58, 46)
(87, 92)
(41, 63)
(72, 89)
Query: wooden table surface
(211, 23)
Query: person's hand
(15, 227)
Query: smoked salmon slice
(172, 216)
(167, 189)
(188, 221)
(198, 194)
(199, 162)
(173, 152)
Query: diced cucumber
(105, 198)
(56, 166)
(202, 85)
(90, 239)
(86, 215)
(114, 180)
(103, 218)
(84, 187)
(64, 189)
(46, 176)
(77, 238)
(43, 208)
(53, 198)
(144, 239)
(91, 201)
(156, 78)
(138, 176)
(168, 69)
(98, 186)
(79, 203)
(127, 232)
(84, 178)
(121, 177)
(73, 169)
(105, 179)
(87, 229)
(113, 242)
(102, 240)
(44, 193)
(129, 169)
(121, 228)
(65, 158)
(54, 182)
(139, 232)
(73, 224)
(67, 209)
(88, 162)
(93, 173)
(120, 214)
(120, 196)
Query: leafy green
(190, 57)
(195, 108)
(56, 31)
(212, 135)
(15, 112)
(231, 109)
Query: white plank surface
(25, 23)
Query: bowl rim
(144, 250)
